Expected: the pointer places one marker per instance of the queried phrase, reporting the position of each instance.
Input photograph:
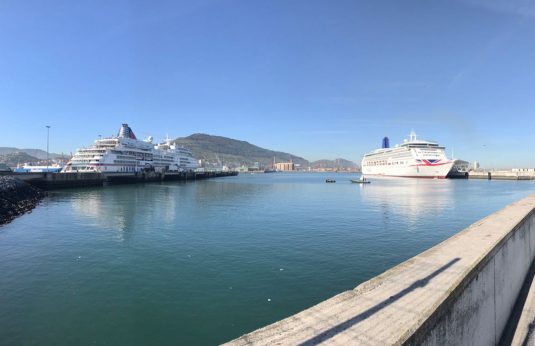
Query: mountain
(12, 159)
(336, 163)
(234, 153)
(36, 153)
(212, 149)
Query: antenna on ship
(412, 136)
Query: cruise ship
(413, 158)
(125, 153)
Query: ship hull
(439, 171)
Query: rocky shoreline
(16, 198)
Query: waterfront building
(4, 167)
(28, 168)
(523, 170)
(242, 169)
(285, 166)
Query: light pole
(47, 142)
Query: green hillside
(36, 153)
(232, 152)
(14, 158)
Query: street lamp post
(47, 145)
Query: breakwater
(462, 291)
(16, 198)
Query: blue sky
(319, 79)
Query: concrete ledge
(502, 175)
(461, 291)
(522, 332)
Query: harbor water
(200, 263)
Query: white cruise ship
(125, 153)
(413, 158)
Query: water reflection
(411, 198)
(151, 207)
(216, 204)
(125, 208)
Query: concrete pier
(460, 292)
(121, 178)
(501, 175)
(78, 179)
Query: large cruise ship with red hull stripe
(414, 158)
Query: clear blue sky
(320, 79)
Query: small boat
(330, 181)
(362, 180)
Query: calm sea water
(202, 263)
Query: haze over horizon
(318, 79)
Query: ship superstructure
(182, 157)
(413, 158)
(125, 153)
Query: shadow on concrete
(365, 314)
(512, 324)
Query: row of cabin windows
(384, 163)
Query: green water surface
(201, 263)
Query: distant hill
(14, 158)
(212, 149)
(36, 153)
(336, 163)
(232, 152)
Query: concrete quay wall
(87, 179)
(462, 291)
(67, 180)
(163, 176)
(501, 175)
(58, 180)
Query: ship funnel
(126, 132)
(386, 143)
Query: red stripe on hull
(407, 176)
(433, 165)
